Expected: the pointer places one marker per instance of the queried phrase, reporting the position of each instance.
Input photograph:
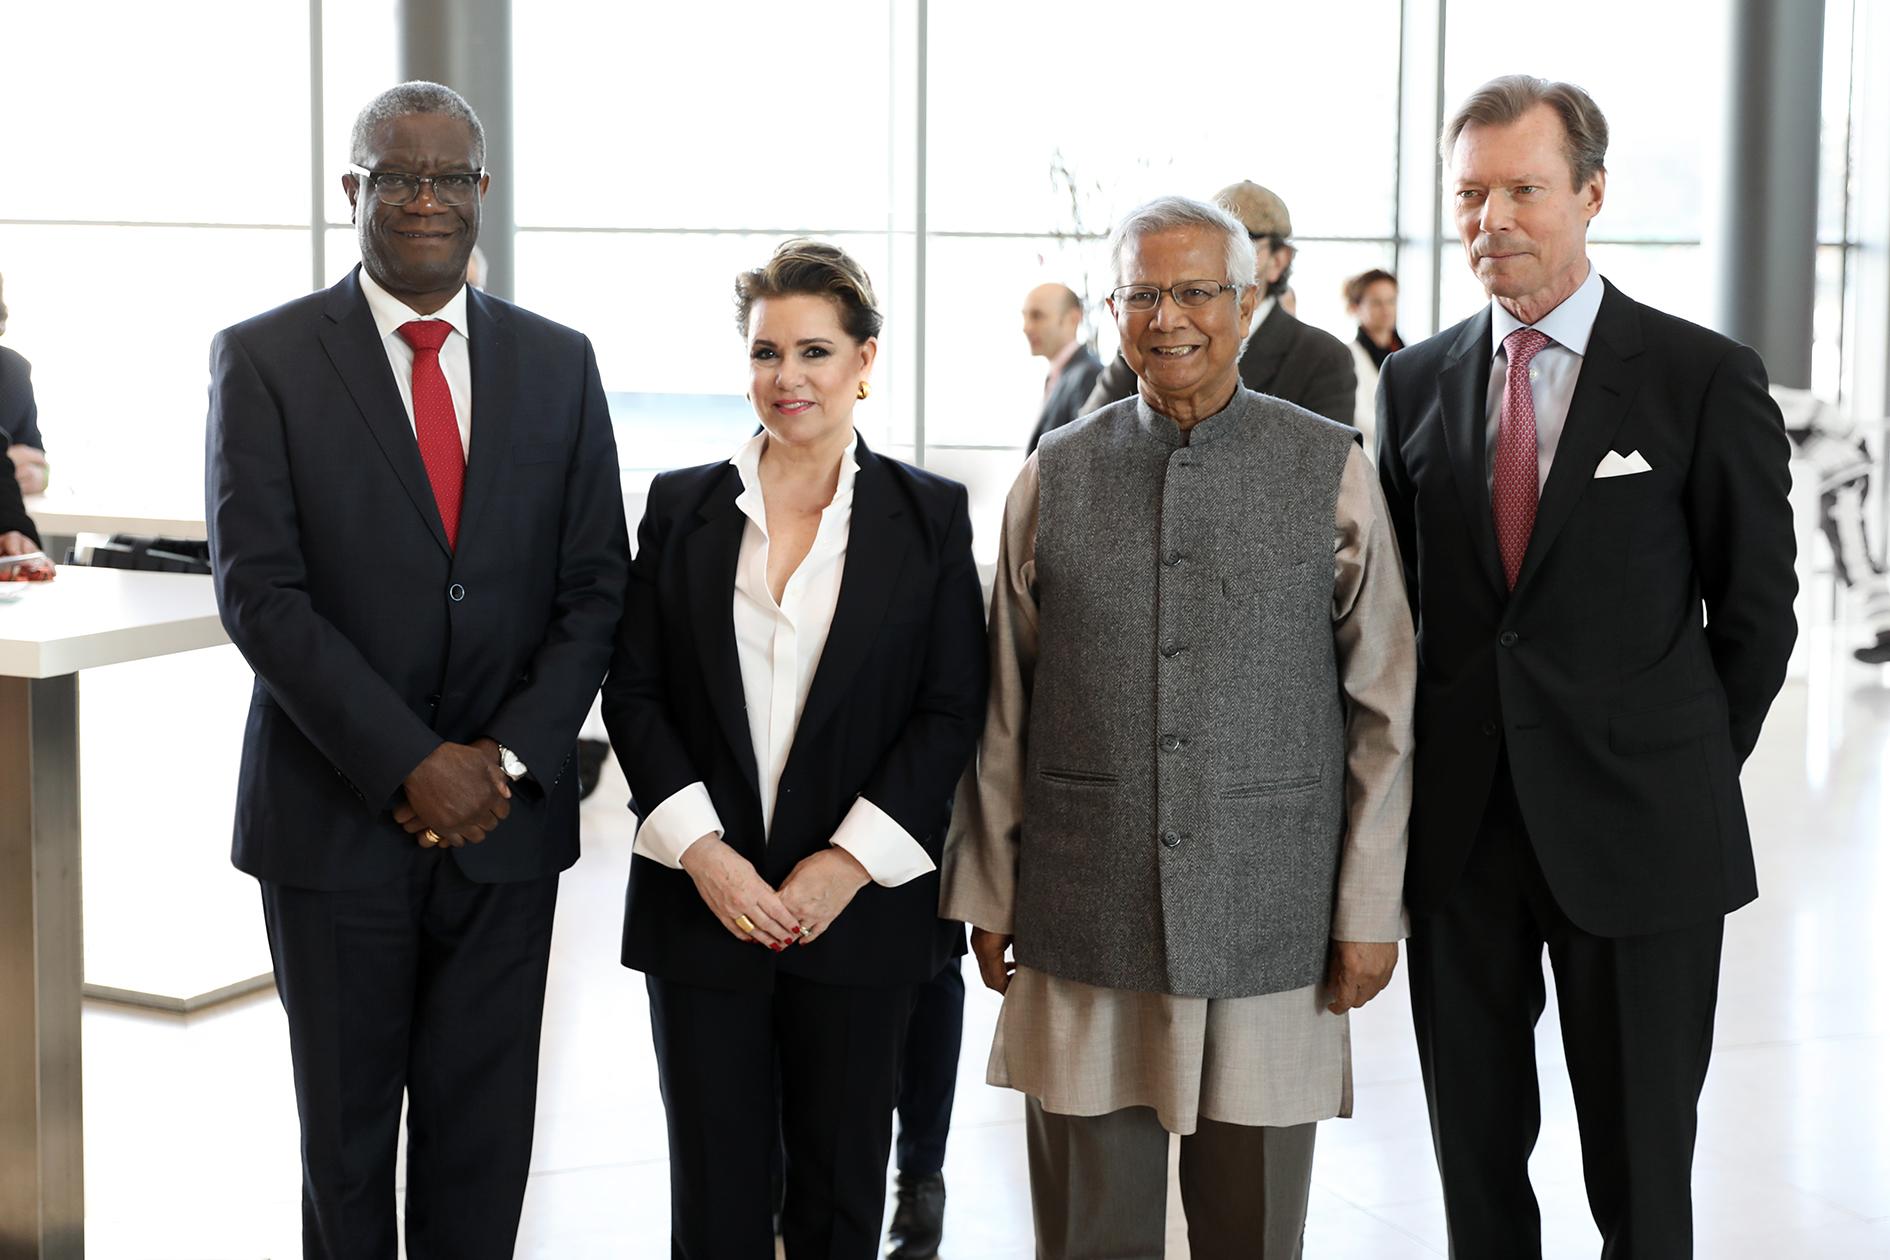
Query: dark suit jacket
(19, 414)
(1065, 401)
(892, 715)
(371, 641)
(1625, 716)
(1283, 357)
(12, 504)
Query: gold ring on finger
(430, 836)
(745, 923)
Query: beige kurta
(1271, 1059)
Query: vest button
(1174, 558)
(456, 592)
(1171, 839)
(1509, 638)
(1173, 650)
(1171, 743)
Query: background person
(417, 538)
(1053, 325)
(20, 438)
(792, 700)
(1371, 298)
(1281, 356)
(1591, 502)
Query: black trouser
(928, 1079)
(429, 987)
(1637, 1027)
(838, 1050)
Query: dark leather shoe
(590, 759)
(918, 1221)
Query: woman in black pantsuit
(799, 680)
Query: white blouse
(779, 647)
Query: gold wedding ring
(430, 836)
(745, 923)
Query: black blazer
(893, 714)
(19, 414)
(1624, 714)
(371, 641)
(1284, 357)
(13, 515)
(1065, 401)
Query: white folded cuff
(668, 830)
(887, 850)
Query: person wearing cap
(1186, 823)
(1282, 356)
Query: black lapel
(712, 552)
(354, 347)
(875, 551)
(1607, 383)
(1266, 350)
(494, 346)
(1463, 392)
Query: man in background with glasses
(1188, 810)
(1280, 356)
(418, 543)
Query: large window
(161, 192)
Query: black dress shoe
(590, 759)
(918, 1221)
(1877, 653)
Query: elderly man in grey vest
(1187, 817)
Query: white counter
(89, 617)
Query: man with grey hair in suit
(1187, 817)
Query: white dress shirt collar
(1260, 314)
(747, 462)
(1569, 325)
(390, 312)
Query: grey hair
(416, 97)
(1170, 214)
(1503, 100)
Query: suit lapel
(713, 551)
(1266, 351)
(875, 551)
(1607, 383)
(354, 347)
(495, 405)
(1463, 389)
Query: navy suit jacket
(1627, 675)
(892, 715)
(372, 641)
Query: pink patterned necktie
(1513, 488)
(434, 423)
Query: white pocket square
(1617, 465)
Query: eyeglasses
(398, 188)
(1189, 293)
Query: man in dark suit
(1576, 479)
(418, 543)
(1282, 356)
(19, 415)
(18, 535)
(1053, 324)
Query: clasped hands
(1356, 971)
(819, 887)
(457, 796)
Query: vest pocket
(1271, 787)
(1079, 778)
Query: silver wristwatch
(508, 762)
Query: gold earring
(864, 391)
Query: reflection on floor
(191, 1139)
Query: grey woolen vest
(1184, 797)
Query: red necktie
(1513, 487)
(434, 423)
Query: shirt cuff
(887, 850)
(668, 830)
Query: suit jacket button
(1489, 728)
(456, 592)
(1171, 839)
(1509, 638)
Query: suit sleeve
(12, 504)
(649, 747)
(918, 772)
(319, 678)
(1740, 520)
(1114, 384)
(1333, 389)
(540, 720)
(1395, 479)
